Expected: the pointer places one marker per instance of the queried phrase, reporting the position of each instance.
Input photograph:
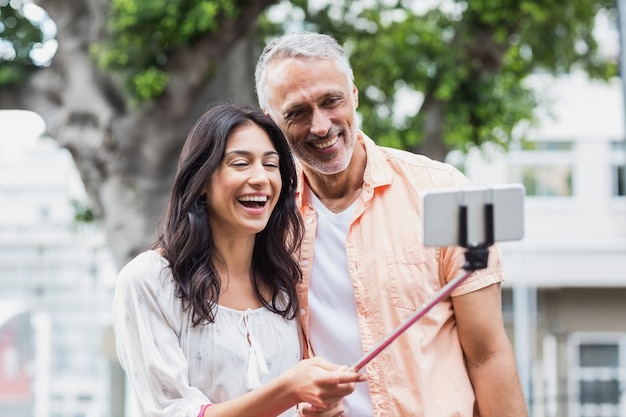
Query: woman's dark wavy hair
(185, 236)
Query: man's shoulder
(410, 160)
(415, 168)
(404, 156)
(408, 156)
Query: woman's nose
(258, 174)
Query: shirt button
(303, 312)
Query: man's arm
(489, 355)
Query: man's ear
(355, 95)
(268, 114)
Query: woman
(205, 320)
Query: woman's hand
(322, 385)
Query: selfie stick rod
(443, 293)
(476, 257)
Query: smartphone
(443, 210)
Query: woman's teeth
(253, 200)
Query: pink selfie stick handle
(443, 293)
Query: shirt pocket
(413, 276)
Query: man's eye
(333, 101)
(293, 115)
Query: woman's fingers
(324, 384)
(308, 410)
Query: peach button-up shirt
(423, 372)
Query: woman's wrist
(285, 386)
(203, 409)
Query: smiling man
(364, 268)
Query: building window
(618, 168)
(545, 168)
(547, 180)
(597, 374)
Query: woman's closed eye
(240, 163)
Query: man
(365, 269)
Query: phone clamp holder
(477, 254)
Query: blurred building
(565, 294)
(55, 282)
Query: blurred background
(96, 98)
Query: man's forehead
(296, 87)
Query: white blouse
(175, 368)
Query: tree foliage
(127, 81)
(467, 59)
(138, 38)
(141, 34)
(130, 77)
(19, 37)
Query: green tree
(125, 85)
(19, 36)
(467, 59)
(130, 77)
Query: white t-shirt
(175, 368)
(333, 322)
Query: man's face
(314, 103)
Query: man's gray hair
(297, 45)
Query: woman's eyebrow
(244, 152)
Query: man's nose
(320, 122)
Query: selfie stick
(476, 257)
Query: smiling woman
(208, 315)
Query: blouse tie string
(257, 367)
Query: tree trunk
(127, 157)
(433, 145)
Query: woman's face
(245, 188)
